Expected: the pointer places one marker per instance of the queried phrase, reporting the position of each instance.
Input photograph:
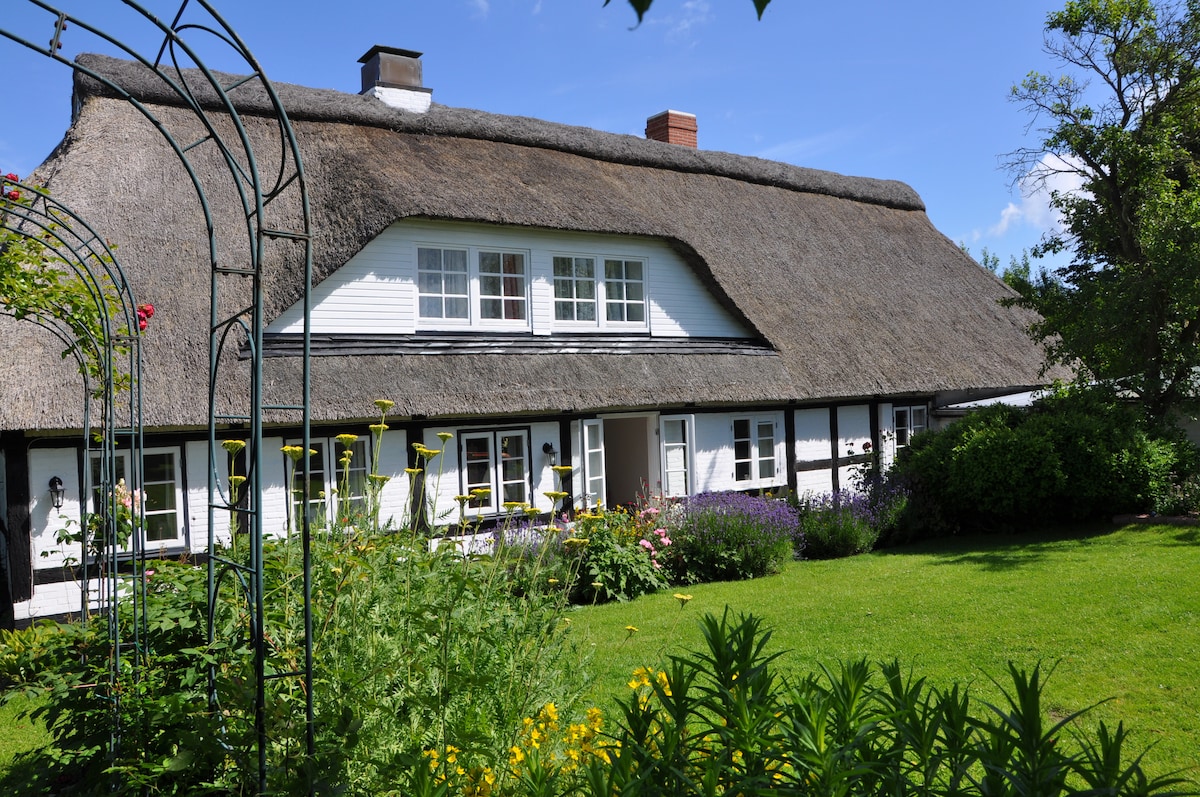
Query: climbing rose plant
(38, 284)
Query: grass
(1116, 611)
(18, 734)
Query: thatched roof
(844, 277)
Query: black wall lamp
(56, 492)
(548, 450)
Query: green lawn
(1117, 610)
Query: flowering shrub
(730, 536)
(621, 559)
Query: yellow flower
(444, 436)
(683, 599)
(513, 505)
(575, 542)
(378, 428)
(236, 481)
(384, 404)
(295, 452)
(633, 629)
(379, 479)
(555, 495)
(462, 499)
(532, 511)
(562, 470)
(412, 471)
(347, 439)
(233, 446)
(552, 581)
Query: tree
(1124, 122)
(640, 7)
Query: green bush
(413, 650)
(730, 536)
(1072, 456)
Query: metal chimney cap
(380, 49)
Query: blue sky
(915, 91)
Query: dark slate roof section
(288, 344)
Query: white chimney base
(415, 100)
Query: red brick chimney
(673, 127)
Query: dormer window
(472, 287)
(581, 289)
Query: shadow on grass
(1002, 551)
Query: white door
(594, 487)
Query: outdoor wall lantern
(548, 450)
(56, 492)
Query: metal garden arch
(175, 61)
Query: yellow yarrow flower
(384, 404)
(346, 440)
(444, 436)
(234, 447)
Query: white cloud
(1033, 211)
(682, 24)
(807, 148)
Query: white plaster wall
(46, 521)
(714, 458)
(812, 443)
(854, 429)
(196, 478)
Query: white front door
(594, 486)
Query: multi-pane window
(159, 498)
(754, 450)
(443, 283)
(502, 286)
(625, 291)
(907, 422)
(575, 289)
(337, 480)
(495, 469)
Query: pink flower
(12, 178)
(661, 532)
(650, 511)
(657, 566)
(649, 546)
(665, 541)
(146, 309)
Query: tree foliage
(80, 301)
(1123, 122)
(640, 7)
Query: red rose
(13, 195)
(146, 309)
(141, 324)
(12, 178)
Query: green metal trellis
(175, 62)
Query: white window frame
(512, 291)
(569, 287)
(623, 302)
(595, 483)
(605, 292)
(494, 478)
(327, 478)
(150, 509)
(442, 296)
(676, 455)
(752, 451)
(904, 431)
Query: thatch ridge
(328, 105)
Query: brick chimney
(393, 76)
(673, 127)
